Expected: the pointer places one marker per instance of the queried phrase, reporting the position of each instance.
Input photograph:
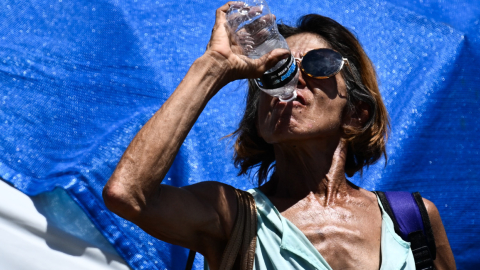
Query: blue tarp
(79, 78)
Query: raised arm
(198, 216)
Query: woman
(336, 126)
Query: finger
(261, 23)
(269, 60)
(235, 15)
(235, 19)
(221, 12)
(220, 22)
(227, 5)
(221, 17)
(255, 11)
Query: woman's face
(317, 113)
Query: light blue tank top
(282, 246)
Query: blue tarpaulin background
(79, 78)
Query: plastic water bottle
(256, 31)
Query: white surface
(34, 235)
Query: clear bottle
(256, 31)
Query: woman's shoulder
(367, 196)
(221, 197)
(431, 208)
(444, 257)
(210, 186)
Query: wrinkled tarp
(79, 78)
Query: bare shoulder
(433, 215)
(199, 217)
(431, 209)
(444, 257)
(369, 195)
(221, 197)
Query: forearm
(136, 180)
(151, 153)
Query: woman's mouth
(298, 101)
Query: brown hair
(365, 145)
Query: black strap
(191, 258)
(422, 243)
(239, 252)
(421, 253)
(426, 225)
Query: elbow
(120, 201)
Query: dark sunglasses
(322, 63)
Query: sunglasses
(318, 64)
(322, 63)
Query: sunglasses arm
(354, 74)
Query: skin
(341, 220)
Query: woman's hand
(225, 51)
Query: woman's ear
(359, 115)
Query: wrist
(205, 77)
(216, 65)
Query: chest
(347, 237)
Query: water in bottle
(256, 31)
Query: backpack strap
(427, 231)
(240, 250)
(411, 222)
(190, 260)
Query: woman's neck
(309, 167)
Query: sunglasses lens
(322, 62)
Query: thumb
(269, 60)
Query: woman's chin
(287, 133)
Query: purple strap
(406, 212)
